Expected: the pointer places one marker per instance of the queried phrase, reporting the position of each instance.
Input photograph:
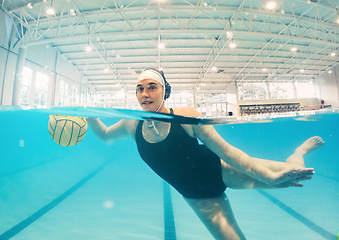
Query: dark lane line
(35, 216)
(169, 224)
(308, 223)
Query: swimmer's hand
(291, 177)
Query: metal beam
(175, 31)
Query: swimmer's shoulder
(186, 112)
(130, 126)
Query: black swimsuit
(192, 169)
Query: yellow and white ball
(67, 130)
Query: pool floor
(104, 191)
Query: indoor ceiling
(201, 45)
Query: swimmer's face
(149, 94)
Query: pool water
(101, 191)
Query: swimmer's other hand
(291, 177)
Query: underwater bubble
(108, 204)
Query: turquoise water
(104, 191)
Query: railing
(269, 108)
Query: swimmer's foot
(309, 145)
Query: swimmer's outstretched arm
(117, 131)
(289, 176)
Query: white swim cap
(154, 75)
(151, 74)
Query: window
(282, 90)
(74, 95)
(41, 90)
(113, 99)
(132, 101)
(212, 104)
(180, 99)
(26, 86)
(278, 90)
(63, 91)
(252, 91)
(86, 97)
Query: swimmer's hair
(168, 88)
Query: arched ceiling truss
(198, 44)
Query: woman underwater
(201, 173)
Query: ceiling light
(50, 11)
(88, 48)
(229, 35)
(161, 45)
(118, 56)
(264, 69)
(332, 54)
(294, 49)
(330, 71)
(302, 70)
(271, 5)
(72, 12)
(214, 69)
(30, 5)
(232, 45)
(161, 69)
(106, 70)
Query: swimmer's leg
(217, 215)
(238, 180)
(297, 158)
